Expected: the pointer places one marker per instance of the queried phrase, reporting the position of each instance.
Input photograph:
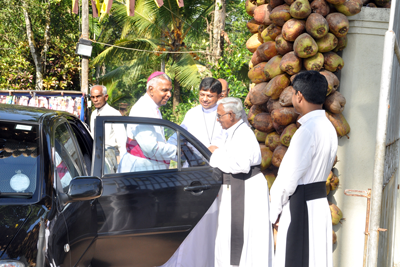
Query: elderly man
(244, 235)
(298, 194)
(146, 146)
(225, 93)
(115, 133)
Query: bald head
(225, 88)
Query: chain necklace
(205, 123)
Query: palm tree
(166, 29)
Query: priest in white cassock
(201, 121)
(197, 250)
(115, 135)
(146, 146)
(244, 235)
(299, 203)
(225, 93)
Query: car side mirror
(83, 188)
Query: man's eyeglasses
(219, 116)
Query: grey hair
(158, 79)
(103, 88)
(232, 104)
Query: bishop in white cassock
(244, 235)
(197, 250)
(146, 146)
(298, 194)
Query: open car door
(154, 193)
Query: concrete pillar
(359, 84)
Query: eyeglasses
(219, 116)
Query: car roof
(27, 114)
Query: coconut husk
(335, 102)
(285, 99)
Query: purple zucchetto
(155, 74)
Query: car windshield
(18, 159)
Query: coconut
(256, 74)
(333, 81)
(275, 87)
(282, 46)
(285, 99)
(261, 14)
(317, 26)
(280, 14)
(253, 43)
(284, 116)
(266, 158)
(342, 127)
(272, 105)
(321, 7)
(272, 69)
(338, 24)
(272, 140)
(278, 155)
(335, 102)
(263, 122)
(292, 29)
(287, 134)
(257, 94)
(336, 213)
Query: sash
(297, 243)
(133, 148)
(237, 209)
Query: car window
(67, 161)
(147, 147)
(19, 157)
(85, 143)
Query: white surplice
(151, 140)
(115, 134)
(198, 248)
(309, 159)
(240, 152)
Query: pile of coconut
(290, 37)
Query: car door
(152, 201)
(80, 216)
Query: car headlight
(11, 263)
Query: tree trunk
(37, 59)
(218, 28)
(177, 95)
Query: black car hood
(12, 218)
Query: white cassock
(198, 248)
(146, 146)
(115, 136)
(202, 124)
(306, 165)
(240, 154)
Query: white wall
(360, 83)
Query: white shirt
(202, 124)
(309, 159)
(239, 153)
(150, 138)
(115, 134)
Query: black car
(61, 206)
